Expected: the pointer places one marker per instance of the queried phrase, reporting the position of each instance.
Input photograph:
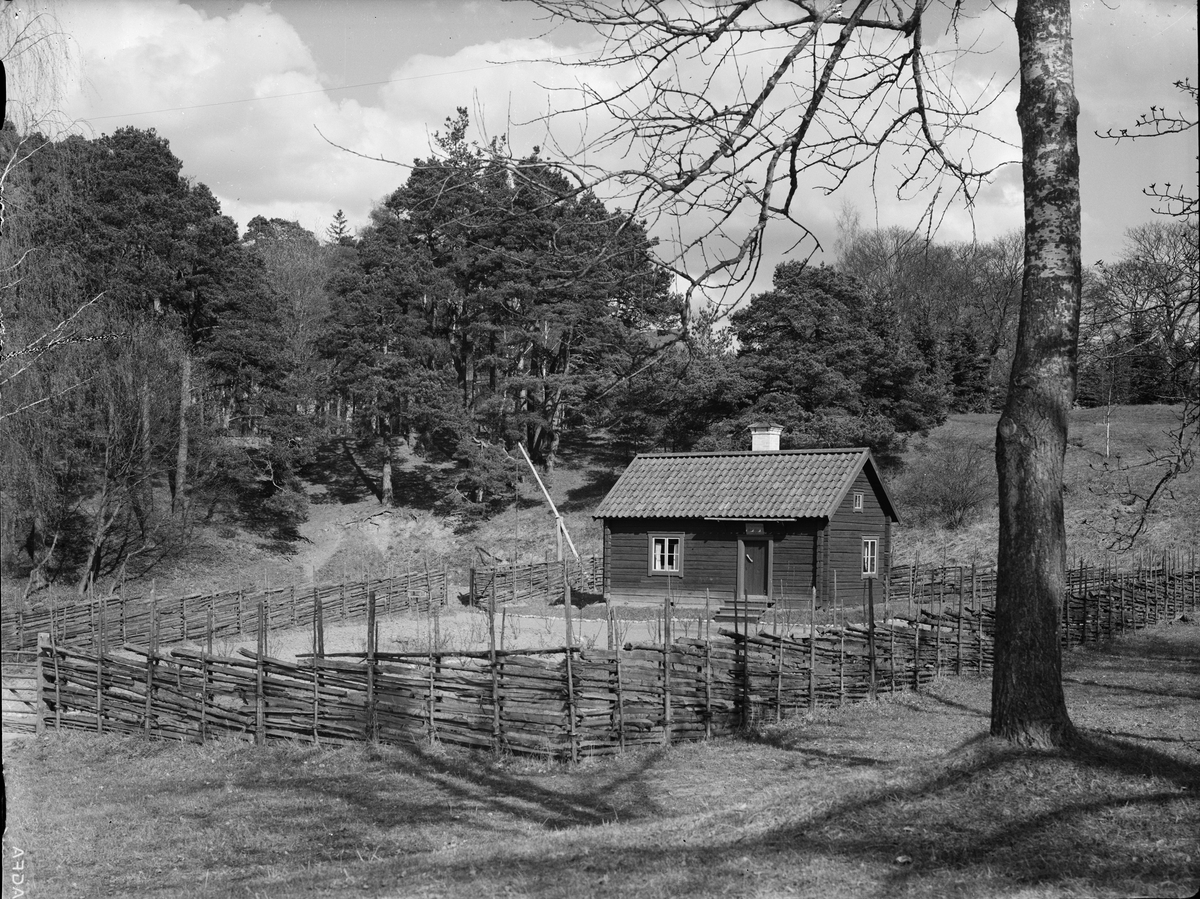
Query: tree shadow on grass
(1125, 688)
(331, 469)
(981, 813)
(586, 496)
(445, 781)
(986, 811)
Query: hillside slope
(1109, 458)
(349, 533)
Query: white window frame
(858, 502)
(660, 551)
(870, 557)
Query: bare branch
(723, 145)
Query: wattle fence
(114, 621)
(540, 581)
(566, 702)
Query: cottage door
(754, 568)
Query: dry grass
(1093, 485)
(902, 797)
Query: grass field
(1110, 456)
(902, 797)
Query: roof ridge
(849, 450)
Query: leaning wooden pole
(558, 519)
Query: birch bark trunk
(1028, 706)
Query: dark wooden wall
(710, 559)
(845, 534)
(794, 564)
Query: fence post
(841, 660)
(571, 733)
(812, 650)
(1121, 595)
(666, 648)
(566, 588)
(977, 611)
(39, 679)
(432, 687)
(941, 608)
(707, 693)
(99, 647)
(492, 658)
(870, 633)
(916, 656)
(912, 583)
(961, 589)
(887, 591)
(372, 722)
(1193, 567)
(318, 651)
(260, 701)
(779, 681)
(208, 629)
(1109, 602)
(621, 697)
(151, 660)
(1083, 628)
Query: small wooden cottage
(766, 526)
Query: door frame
(741, 565)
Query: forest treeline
(161, 368)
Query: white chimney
(765, 438)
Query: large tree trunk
(179, 497)
(1027, 697)
(386, 496)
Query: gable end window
(666, 554)
(858, 502)
(870, 557)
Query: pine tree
(338, 232)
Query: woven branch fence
(539, 580)
(564, 702)
(117, 620)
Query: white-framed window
(666, 553)
(858, 502)
(870, 557)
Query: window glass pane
(868, 557)
(664, 553)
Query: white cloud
(266, 157)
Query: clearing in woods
(900, 797)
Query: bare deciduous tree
(723, 114)
(1176, 199)
(730, 109)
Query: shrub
(950, 482)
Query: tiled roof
(783, 484)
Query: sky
(253, 97)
